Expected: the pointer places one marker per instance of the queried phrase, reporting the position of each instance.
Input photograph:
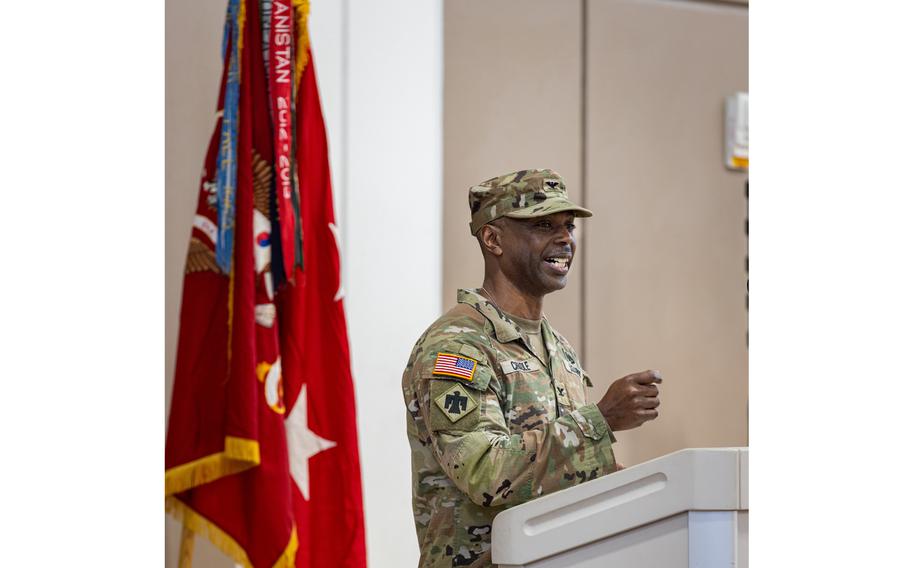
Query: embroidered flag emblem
(455, 366)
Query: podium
(686, 509)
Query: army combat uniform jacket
(492, 424)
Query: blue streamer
(226, 180)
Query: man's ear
(490, 238)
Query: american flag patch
(455, 366)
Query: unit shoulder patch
(456, 403)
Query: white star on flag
(303, 444)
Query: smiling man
(497, 409)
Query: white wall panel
(394, 240)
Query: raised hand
(631, 401)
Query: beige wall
(637, 108)
(665, 287)
(512, 86)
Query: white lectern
(686, 509)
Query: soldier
(497, 411)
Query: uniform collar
(504, 328)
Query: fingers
(645, 414)
(631, 401)
(647, 401)
(646, 377)
(648, 390)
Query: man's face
(537, 253)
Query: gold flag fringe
(196, 523)
(239, 454)
(200, 525)
(286, 560)
(302, 14)
(241, 20)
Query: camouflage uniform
(492, 423)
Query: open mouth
(559, 263)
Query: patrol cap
(521, 195)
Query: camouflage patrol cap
(521, 195)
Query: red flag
(261, 451)
(322, 431)
(227, 473)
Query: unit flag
(261, 454)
